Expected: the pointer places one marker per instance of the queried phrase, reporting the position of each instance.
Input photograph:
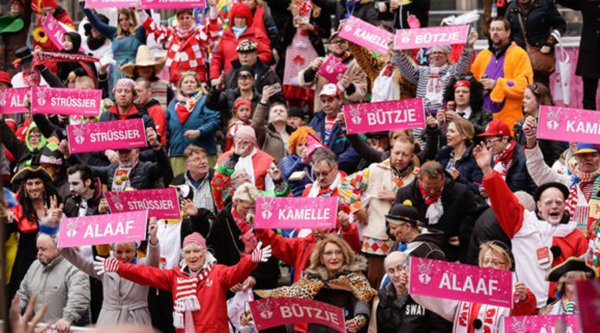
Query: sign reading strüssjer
(273, 312)
(119, 134)
(167, 4)
(72, 102)
(543, 324)
(110, 3)
(407, 39)
(160, 203)
(366, 35)
(461, 282)
(103, 229)
(295, 213)
(572, 125)
(384, 116)
(11, 100)
(588, 298)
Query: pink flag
(427, 37)
(273, 312)
(543, 324)
(332, 69)
(572, 125)
(384, 116)
(588, 296)
(110, 3)
(12, 99)
(56, 32)
(366, 35)
(103, 229)
(296, 213)
(161, 203)
(460, 282)
(118, 134)
(168, 4)
(312, 144)
(73, 102)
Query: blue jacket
(470, 172)
(291, 164)
(348, 159)
(517, 177)
(202, 118)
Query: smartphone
(276, 87)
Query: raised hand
(473, 36)
(483, 157)
(102, 265)
(27, 322)
(153, 227)
(259, 254)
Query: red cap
(496, 128)
(5, 77)
(195, 238)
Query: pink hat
(246, 133)
(124, 83)
(195, 238)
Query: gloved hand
(102, 265)
(259, 255)
(530, 128)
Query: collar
(499, 51)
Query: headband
(241, 102)
(462, 83)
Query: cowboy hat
(143, 59)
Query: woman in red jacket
(199, 286)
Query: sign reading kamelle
(73, 102)
(119, 134)
(588, 298)
(563, 124)
(56, 32)
(543, 324)
(110, 3)
(11, 100)
(332, 69)
(295, 213)
(167, 4)
(384, 116)
(160, 203)
(366, 35)
(103, 229)
(273, 312)
(461, 282)
(425, 37)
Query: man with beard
(540, 240)
(58, 283)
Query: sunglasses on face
(245, 77)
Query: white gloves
(102, 265)
(259, 255)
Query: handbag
(541, 63)
(562, 79)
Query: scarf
(32, 79)
(238, 31)
(245, 163)
(503, 161)
(186, 300)
(122, 179)
(583, 214)
(185, 105)
(96, 43)
(185, 33)
(435, 209)
(45, 58)
(247, 236)
(317, 192)
(435, 90)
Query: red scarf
(247, 236)
(506, 158)
(428, 200)
(184, 105)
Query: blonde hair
(246, 192)
(126, 245)
(317, 253)
(198, 82)
(132, 17)
(495, 249)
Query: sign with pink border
(572, 125)
(543, 324)
(332, 69)
(55, 31)
(110, 4)
(588, 297)
(161, 203)
(273, 312)
(103, 229)
(385, 116)
(461, 282)
(407, 39)
(72, 102)
(366, 35)
(168, 4)
(12, 99)
(296, 213)
(118, 134)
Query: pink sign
(73, 102)
(55, 31)
(110, 3)
(118, 134)
(11, 100)
(273, 312)
(366, 35)
(296, 213)
(168, 4)
(563, 124)
(160, 203)
(543, 324)
(427, 37)
(332, 69)
(384, 116)
(103, 229)
(588, 297)
(461, 282)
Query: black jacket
(428, 245)
(401, 314)
(223, 100)
(264, 77)
(470, 173)
(550, 149)
(72, 204)
(517, 177)
(486, 229)
(480, 119)
(541, 19)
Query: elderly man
(369, 195)
(58, 283)
(198, 176)
(540, 240)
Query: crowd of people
(239, 108)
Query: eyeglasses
(242, 176)
(493, 263)
(337, 253)
(492, 140)
(245, 77)
(438, 53)
(338, 42)
(322, 173)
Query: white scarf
(245, 163)
(315, 189)
(435, 211)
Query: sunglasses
(245, 77)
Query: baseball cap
(496, 128)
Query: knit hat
(195, 238)
(404, 213)
(247, 45)
(444, 48)
(295, 111)
(124, 83)
(241, 102)
(246, 133)
(47, 3)
(241, 10)
(5, 77)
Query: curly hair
(476, 99)
(317, 253)
(299, 135)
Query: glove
(102, 265)
(530, 130)
(259, 255)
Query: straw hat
(143, 59)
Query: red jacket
(211, 292)
(226, 50)
(23, 223)
(296, 251)
(160, 119)
(261, 162)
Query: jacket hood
(241, 10)
(76, 40)
(151, 103)
(430, 236)
(358, 266)
(42, 138)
